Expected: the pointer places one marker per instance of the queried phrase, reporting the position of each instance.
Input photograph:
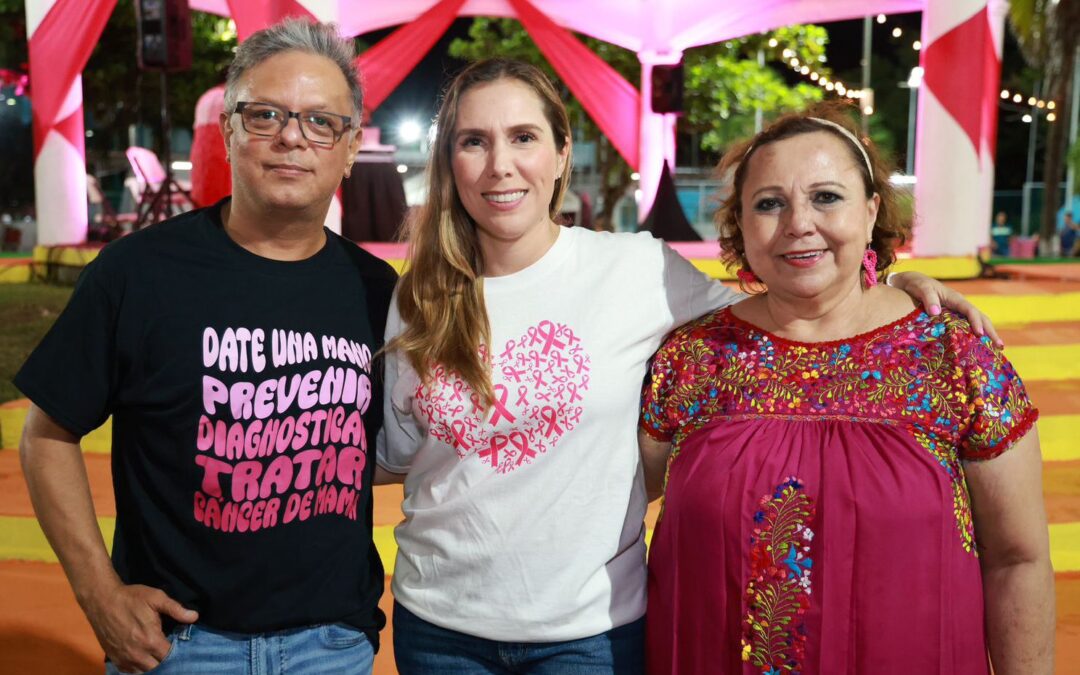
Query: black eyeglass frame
(289, 114)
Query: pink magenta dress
(816, 519)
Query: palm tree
(1048, 32)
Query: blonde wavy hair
(441, 293)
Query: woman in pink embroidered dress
(838, 494)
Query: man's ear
(226, 133)
(354, 147)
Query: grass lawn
(26, 313)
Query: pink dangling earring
(869, 263)
(747, 276)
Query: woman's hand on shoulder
(934, 295)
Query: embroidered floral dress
(816, 518)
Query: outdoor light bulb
(1032, 100)
(917, 45)
(773, 42)
(1050, 117)
(897, 32)
(881, 18)
(1026, 119)
(829, 86)
(1017, 98)
(1041, 104)
(814, 77)
(788, 53)
(409, 131)
(868, 110)
(1004, 93)
(840, 89)
(794, 62)
(1050, 105)
(401, 168)
(914, 80)
(635, 176)
(805, 70)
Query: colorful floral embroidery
(961, 501)
(778, 592)
(955, 392)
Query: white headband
(847, 134)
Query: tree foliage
(725, 84)
(116, 94)
(1048, 32)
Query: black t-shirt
(245, 407)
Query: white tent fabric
(955, 133)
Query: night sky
(893, 58)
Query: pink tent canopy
(957, 112)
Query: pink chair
(151, 178)
(147, 168)
(1023, 247)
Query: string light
(881, 18)
(917, 45)
(897, 32)
(1050, 117)
(1033, 101)
(791, 57)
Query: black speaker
(667, 88)
(164, 34)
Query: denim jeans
(421, 647)
(327, 648)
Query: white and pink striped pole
(957, 126)
(59, 141)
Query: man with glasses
(233, 348)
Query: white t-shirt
(525, 522)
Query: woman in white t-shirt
(516, 352)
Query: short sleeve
(1001, 412)
(72, 374)
(661, 412)
(690, 292)
(401, 435)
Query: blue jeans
(327, 648)
(421, 647)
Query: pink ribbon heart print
(539, 379)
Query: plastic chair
(154, 185)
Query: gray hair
(320, 39)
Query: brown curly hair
(891, 229)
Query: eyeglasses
(265, 119)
